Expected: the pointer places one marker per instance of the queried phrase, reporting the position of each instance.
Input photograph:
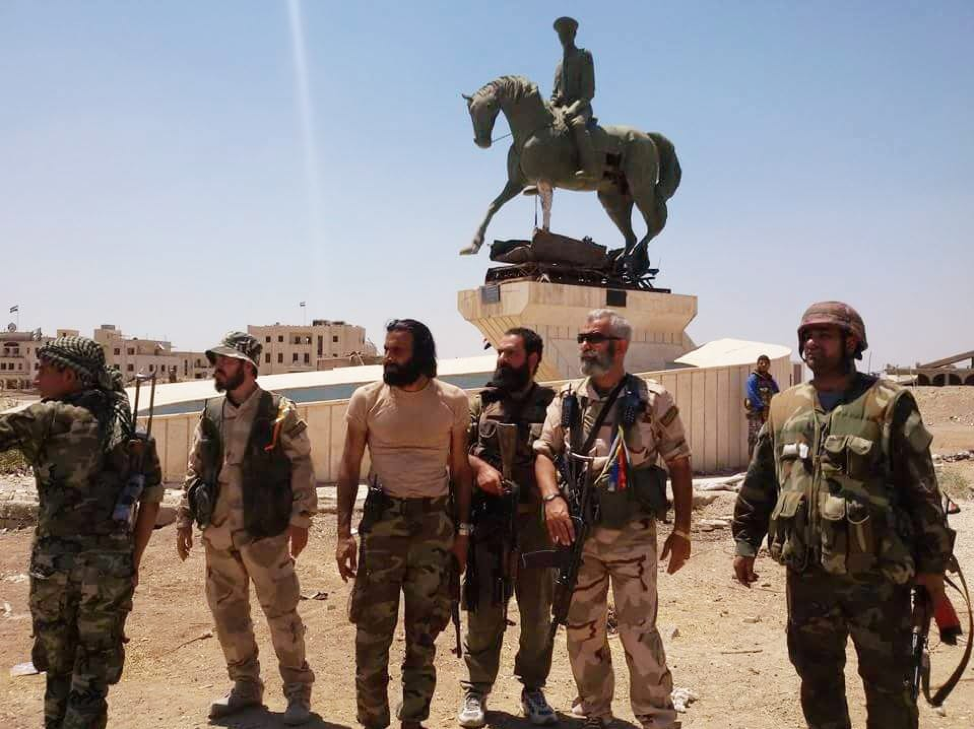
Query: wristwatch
(552, 497)
(464, 529)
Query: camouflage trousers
(627, 558)
(754, 423)
(268, 564)
(822, 612)
(79, 602)
(485, 627)
(405, 549)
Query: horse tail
(670, 172)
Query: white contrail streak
(306, 115)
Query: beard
(229, 383)
(596, 364)
(397, 375)
(510, 379)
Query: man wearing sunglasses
(641, 424)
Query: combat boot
(298, 711)
(243, 695)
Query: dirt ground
(724, 642)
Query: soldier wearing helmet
(843, 486)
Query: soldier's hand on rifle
(184, 541)
(346, 555)
(298, 538)
(489, 479)
(677, 547)
(744, 570)
(558, 520)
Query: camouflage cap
(84, 356)
(834, 313)
(238, 345)
(566, 23)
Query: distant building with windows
(324, 345)
(18, 358)
(132, 355)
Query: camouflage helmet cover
(834, 313)
(238, 345)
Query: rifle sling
(599, 420)
(944, 691)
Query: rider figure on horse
(574, 89)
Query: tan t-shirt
(409, 434)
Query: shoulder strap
(600, 420)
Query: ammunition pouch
(645, 494)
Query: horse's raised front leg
(510, 191)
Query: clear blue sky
(154, 176)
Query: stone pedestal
(557, 312)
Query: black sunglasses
(596, 338)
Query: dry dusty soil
(724, 642)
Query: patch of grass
(954, 483)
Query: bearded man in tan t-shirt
(416, 429)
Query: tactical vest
(837, 507)
(529, 416)
(265, 469)
(646, 493)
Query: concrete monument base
(557, 312)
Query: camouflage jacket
(78, 471)
(492, 406)
(852, 490)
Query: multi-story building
(132, 355)
(18, 358)
(321, 346)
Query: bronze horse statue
(637, 168)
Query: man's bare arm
(348, 477)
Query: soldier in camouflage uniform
(255, 449)
(621, 548)
(85, 559)
(842, 483)
(415, 427)
(512, 397)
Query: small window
(280, 337)
(267, 339)
(131, 350)
(267, 357)
(294, 357)
(334, 338)
(280, 357)
(118, 351)
(307, 358)
(130, 368)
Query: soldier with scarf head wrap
(84, 564)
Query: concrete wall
(710, 401)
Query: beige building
(323, 345)
(18, 358)
(132, 355)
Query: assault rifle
(579, 491)
(124, 510)
(943, 613)
(492, 558)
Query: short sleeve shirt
(409, 434)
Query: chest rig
(837, 508)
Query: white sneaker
(536, 708)
(472, 713)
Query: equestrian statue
(559, 144)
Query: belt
(418, 505)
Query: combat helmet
(834, 313)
